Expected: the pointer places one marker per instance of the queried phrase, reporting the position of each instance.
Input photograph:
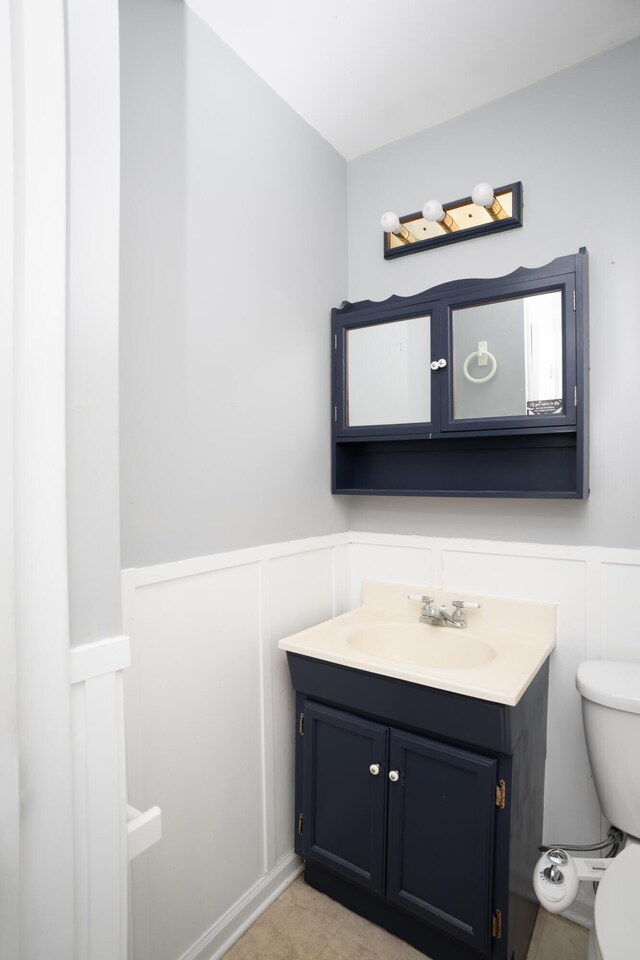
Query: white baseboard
(219, 938)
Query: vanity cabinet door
(441, 836)
(343, 795)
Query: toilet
(611, 715)
(616, 926)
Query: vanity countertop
(495, 658)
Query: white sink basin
(494, 658)
(422, 645)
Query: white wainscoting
(209, 720)
(99, 798)
(591, 586)
(209, 706)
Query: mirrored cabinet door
(388, 374)
(507, 358)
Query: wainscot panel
(209, 709)
(590, 586)
(209, 720)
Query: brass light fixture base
(463, 220)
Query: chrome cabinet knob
(394, 775)
(374, 769)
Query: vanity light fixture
(482, 196)
(434, 212)
(390, 223)
(487, 210)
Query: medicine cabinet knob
(394, 775)
(374, 769)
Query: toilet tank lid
(610, 683)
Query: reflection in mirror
(507, 358)
(388, 374)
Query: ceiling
(366, 72)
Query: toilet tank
(611, 715)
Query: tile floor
(303, 924)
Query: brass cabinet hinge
(300, 820)
(496, 925)
(501, 794)
(301, 724)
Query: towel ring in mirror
(489, 376)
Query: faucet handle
(460, 606)
(428, 609)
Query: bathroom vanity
(420, 806)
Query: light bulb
(482, 194)
(390, 222)
(432, 210)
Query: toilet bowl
(616, 924)
(611, 714)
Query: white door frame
(63, 834)
(9, 781)
(46, 881)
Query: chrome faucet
(439, 617)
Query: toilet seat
(616, 920)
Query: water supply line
(614, 840)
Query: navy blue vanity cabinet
(473, 388)
(441, 814)
(421, 809)
(345, 803)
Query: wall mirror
(388, 377)
(508, 357)
(471, 388)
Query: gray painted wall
(225, 298)
(224, 326)
(574, 133)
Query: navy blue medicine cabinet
(473, 388)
